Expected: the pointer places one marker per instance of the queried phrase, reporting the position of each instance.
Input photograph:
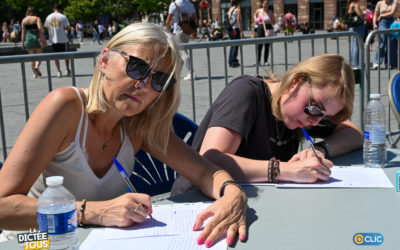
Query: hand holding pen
(311, 144)
(125, 177)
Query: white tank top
(79, 178)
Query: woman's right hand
(306, 171)
(123, 211)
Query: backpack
(228, 22)
(186, 22)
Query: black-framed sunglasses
(138, 69)
(313, 109)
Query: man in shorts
(56, 24)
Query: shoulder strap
(78, 132)
(179, 11)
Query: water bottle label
(58, 223)
(377, 134)
(366, 135)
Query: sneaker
(375, 66)
(59, 74)
(68, 72)
(34, 75)
(188, 77)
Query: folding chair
(394, 99)
(153, 177)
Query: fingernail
(229, 240)
(208, 243)
(200, 241)
(242, 237)
(194, 226)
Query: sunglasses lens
(313, 111)
(137, 69)
(159, 80)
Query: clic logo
(368, 239)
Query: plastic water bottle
(374, 133)
(56, 214)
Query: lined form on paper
(173, 219)
(348, 177)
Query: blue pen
(310, 142)
(125, 176)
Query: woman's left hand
(305, 154)
(229, 215)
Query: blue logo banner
(368, 239)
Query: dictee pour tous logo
(33, 240)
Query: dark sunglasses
(138, 69)
(312, 109)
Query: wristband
(226, 183)
(325, 146)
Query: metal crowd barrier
(316, 40)
(284, 51)
(47, 57)
(377, 80)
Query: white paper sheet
(349, 177)
(95, 240)
(170, 228)
(173, 219)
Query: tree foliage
(87, 10)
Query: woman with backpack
(265, 19)
(236, 32)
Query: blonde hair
(153, 125)
(320, 71)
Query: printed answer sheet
(170, 228)
(172, 219)
(348, 177)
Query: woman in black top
(32, 30)
(254, 120)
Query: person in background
(32, 29)
(385, 11)
(255, 124)
(205, 31)
(6, 33)
(57, 24)
(79, 30)
(368, 14)
(235, 20)
(353, 10)
(288, 19)
(95, 32)
(185, 7)
(128, 106)
(394, 37)
(264, 17)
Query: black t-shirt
(244, 106)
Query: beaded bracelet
(273, 170)
(82, 213)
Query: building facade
(318, 13)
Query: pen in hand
(310, 142)
(125, 177)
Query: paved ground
(12, 95)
